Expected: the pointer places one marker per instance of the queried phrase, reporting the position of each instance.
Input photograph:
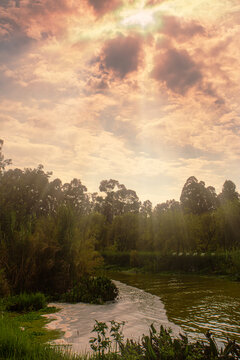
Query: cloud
(177, 70)
(179, 29)
(13, 40)
(35, 18)
(154, 2)
(102, 7)
(122, 55)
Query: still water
(185, 303)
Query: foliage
(51, 234)
(214, 263)
(196, 198)
(4, 287)
(95, 290)
(26, 302)
(3, 163)
(109, 344)
(157, 345)
(17, 344)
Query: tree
(146, 208)
(124, 231)
(3, 163)
(229, 192)
(75, 195)
(117, 200)
(196, 198)
(168, 205)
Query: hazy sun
(141, 17)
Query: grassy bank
(16, 344)
(227, 263)
(31, 323)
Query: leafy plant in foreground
(101, 342)
(157, 345)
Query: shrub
(94, 290)
(26, 302)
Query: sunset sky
(146, 92)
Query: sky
(142, 91)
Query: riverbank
(21, 339)
(220, 264)
(15, 344)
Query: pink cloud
(177, 70)
(102, 7)
(179, 29)
(122, 55)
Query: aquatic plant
(91, 289)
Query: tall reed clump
(26, 302)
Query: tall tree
(117, 199)
(3, 163)
(146, 208)
(196, 198)
(229, 192)
(168, 205)
(75, 195)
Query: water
(136, 307)
(186, 303)
(195, 303)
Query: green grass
(34, 324)
(18, 344)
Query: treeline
(52, 233)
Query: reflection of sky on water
(136, 307)
(196, 303)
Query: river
(185, 303)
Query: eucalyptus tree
(196, 198)
(229, 192)
(116, 199)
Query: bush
(95, 290)
(26, 302)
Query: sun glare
(142, 18)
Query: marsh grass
(26, 302)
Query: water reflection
(136, 307)
(183, 302)
(195, 303)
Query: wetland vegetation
(55, 238)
